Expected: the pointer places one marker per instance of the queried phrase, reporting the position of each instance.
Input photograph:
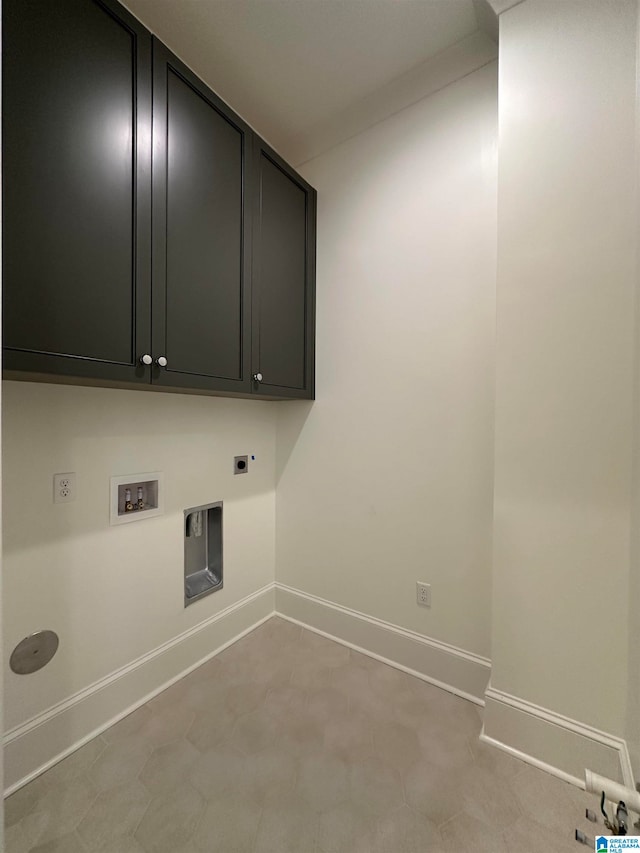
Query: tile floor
(290, 743)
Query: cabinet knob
(146, 359)
(161, 361)
(257, 377)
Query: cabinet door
(200, 234)
(77, 189)
(283, 279)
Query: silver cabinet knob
(161, 361)
(146, 359)
(257, 377)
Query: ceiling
(289, 65)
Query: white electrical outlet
(64, 487)
(423, 594)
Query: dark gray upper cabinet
(76, 189)
(283, 278)
(201, 297)
(149, 236)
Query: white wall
(632, 726)
(387, 478)
(116, 593)
(567, 232)
(632, 732)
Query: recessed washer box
(150, 488)
(202, 551)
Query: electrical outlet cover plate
(64, 487)
(423, 594)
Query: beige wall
(632, 732)
(567, 232)
(632, 727)
(116, 593)
(387, 478)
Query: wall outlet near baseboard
(423, 594)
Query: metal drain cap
(34, 652)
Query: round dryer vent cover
(34, 652)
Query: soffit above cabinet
(287, 66)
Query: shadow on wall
(290, 423)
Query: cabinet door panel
(283, 279)
(199, 231)
(76, 202)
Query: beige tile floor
(290, 743)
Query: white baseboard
(547, 740)
(446, 666)
(553, 742)
(530, 759)
(39, 743)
